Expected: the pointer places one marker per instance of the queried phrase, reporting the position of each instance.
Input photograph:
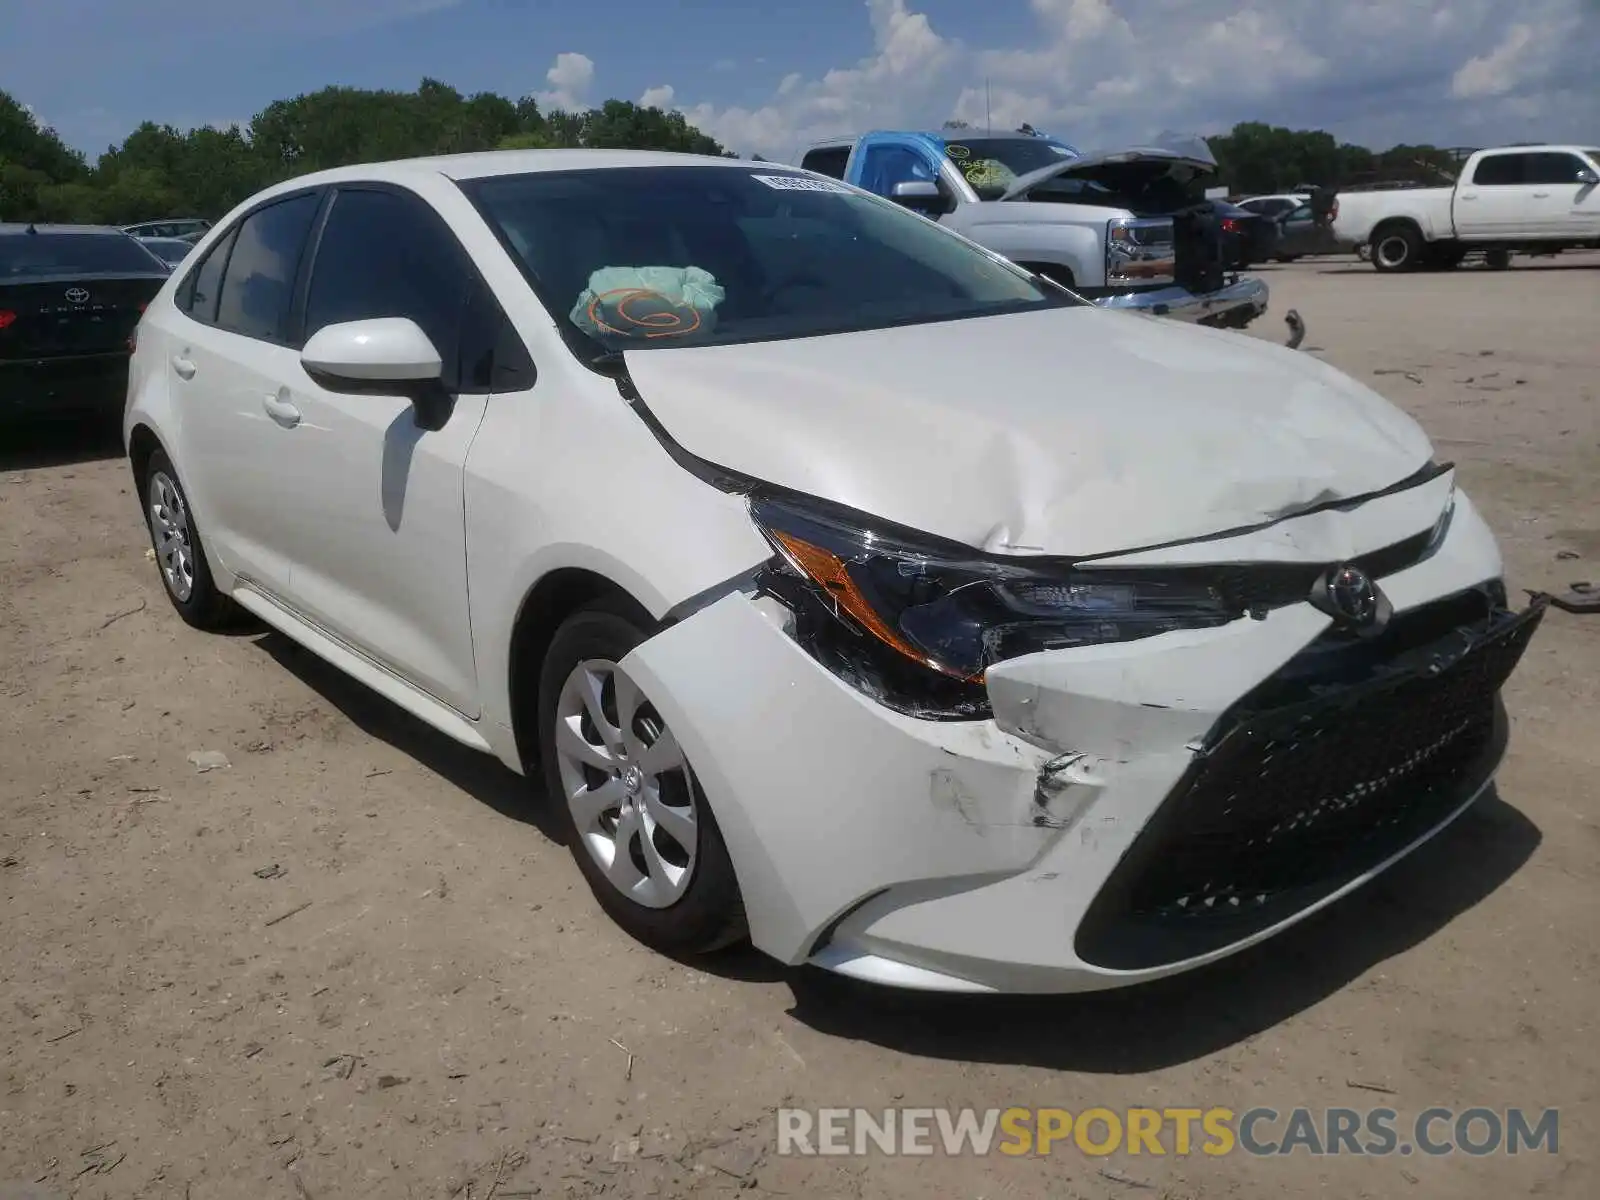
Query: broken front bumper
(1234, 305)
(1132, 809)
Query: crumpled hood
(1072, 432)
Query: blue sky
(768, 77)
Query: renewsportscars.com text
(1098, 1132)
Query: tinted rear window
(830, 161)
(29, 254)
(1500, 170)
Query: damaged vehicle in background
(1129, 229)
(1121, 645)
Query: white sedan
(845, 587)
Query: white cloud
(657, 97)
(569, 81)
(1495, 73)
(1100, 71)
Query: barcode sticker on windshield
(798, 183)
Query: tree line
(159, 171)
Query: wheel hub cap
(626, 784)
(169, 529)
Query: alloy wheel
(1394, 250)
(169, 527)
(626, 784)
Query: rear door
(1497, 202)
(230, 353)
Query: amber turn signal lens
(830, 571)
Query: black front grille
(1258, 587)
(1283, 806)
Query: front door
(374, 517)
(882, 160)
(1568, 204)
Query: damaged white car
(847, 587)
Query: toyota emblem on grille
(1348, 595)
(77, 295)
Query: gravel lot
(353, 962)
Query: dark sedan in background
(70, 297)
(1247, 237)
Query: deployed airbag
(649, 302)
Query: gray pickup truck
(1128, 229)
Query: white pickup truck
(1523, 199)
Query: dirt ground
(353, 962)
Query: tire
(180, 553)
(1396, 248)
(675, 898)
(1286, 258)
(1497, 260)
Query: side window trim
(308, 258)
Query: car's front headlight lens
(914, 613)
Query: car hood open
(1156, 159)
(1074, 432)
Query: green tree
(25, 143)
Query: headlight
(917, 623)
(1140, 252)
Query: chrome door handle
(183, 366)
(281, 410)
(1541, 195)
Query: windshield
(169, 250)
(647, 257)
(28, 254)
(991, 165)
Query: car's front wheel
(636, 820)
(179, 553)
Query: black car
(1247, 237)
(70, 297)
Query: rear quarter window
(831, 161)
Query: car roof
(43, 228)
(1001, 135)
(491, 163)
(1563, 147)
